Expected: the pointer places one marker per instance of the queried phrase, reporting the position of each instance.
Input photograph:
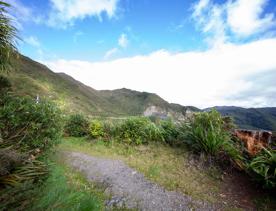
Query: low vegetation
(168, 166)
(205, 133)
(65, 189)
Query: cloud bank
(226, 75)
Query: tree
(7, 38)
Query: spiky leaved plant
(263, 168)
(8, 38)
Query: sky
(192, 52)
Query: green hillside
(32, 78)
(251, 118)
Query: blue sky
(148, 25)
(207, 52)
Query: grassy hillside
(251, 118)
(32, 78)
(135, 103)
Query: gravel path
(130, 188)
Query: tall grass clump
(8, 37)
(77, 125)
(262, 168)
(209, 133)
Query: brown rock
(254, 140)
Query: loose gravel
(130, 188)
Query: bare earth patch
(130, 188)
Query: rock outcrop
(254, 140)
(164, 113)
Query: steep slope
(251, 118)
(32, 78)
(136, 103)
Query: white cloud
(33, 41)
(200, 7)
(214, 77)
(65, 12)
(123, 41)
(111, 53)
(244, 17)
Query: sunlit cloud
(217, 76)
(65, 12)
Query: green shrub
(170, 131)
(109, 129)
(96, 129)
(263, 168)
(138, 130)
(209, 133)
(27, 129)
(27, 125)
(77, 125)
(153, 133)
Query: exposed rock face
(254, 140)
(165, 113)
(156, 111)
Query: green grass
(167, 166)
(68, 190)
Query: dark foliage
(77, 125)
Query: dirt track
(130, 188)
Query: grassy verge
(167, 166)
(67, 190)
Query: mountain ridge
(250, 118)
(32, 78)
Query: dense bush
(138, 130)
(109, 129)
(170, 131)
(263, 168)
(27, 129)
(77, 125)
(26, 125)
(208, 132)
(96, 129)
